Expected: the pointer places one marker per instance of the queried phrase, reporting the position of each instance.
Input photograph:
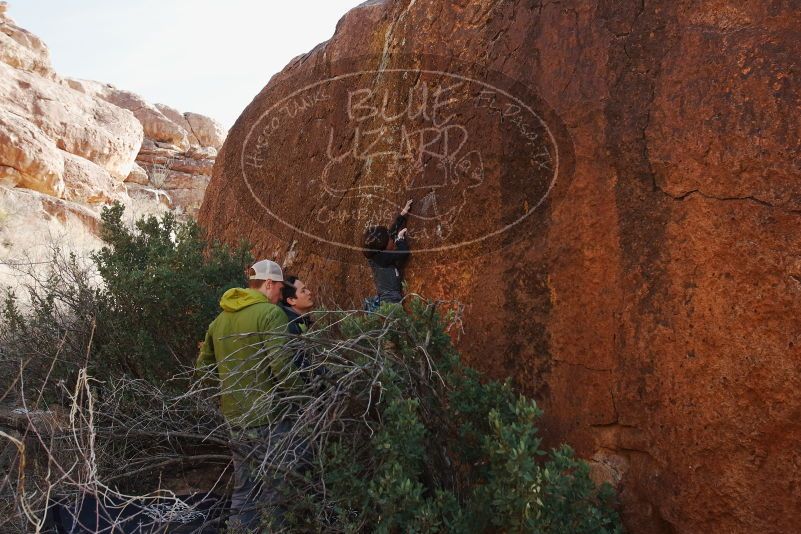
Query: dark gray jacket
(387, 266)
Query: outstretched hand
(401, 234)
(406, 208)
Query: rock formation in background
(69, 147)
(652, 306)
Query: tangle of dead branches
(115, 437)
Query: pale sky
(210, 57)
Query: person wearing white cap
(244, 348)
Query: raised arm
(400, 221)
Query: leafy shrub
(163, 283)
(424, 444)
(138, 310)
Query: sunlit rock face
(69, 147)
(648, 297)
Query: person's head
(296, 295)
(376, 239)
(266, 277)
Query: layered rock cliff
(69, 147)
(649, 296)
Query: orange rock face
(630, 257)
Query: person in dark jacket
(297, 301)
(387, 251)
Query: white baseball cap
(267, 270)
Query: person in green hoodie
(244, 349)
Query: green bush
(163, 282)
(426, 445)
(138, 310)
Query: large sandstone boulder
(156, 125)
(175, 158)
(161, 123)
(88, 183)
(178, 118)
(80, 140)
(69, 147)
(21, 49)
(208, 132)
(649, 299)
(28, 158)
(77, 123)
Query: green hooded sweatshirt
(245, 343)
